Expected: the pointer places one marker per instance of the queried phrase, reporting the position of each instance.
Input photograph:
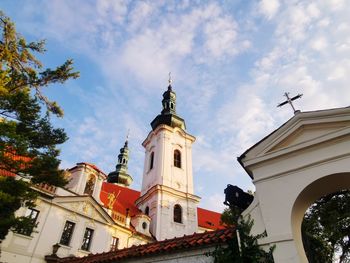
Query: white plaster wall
(187, 256)
(20, 248)
(163, 142)
(167, 227)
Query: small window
(87, 239)
(147, 210)
(151, 161)
(144, 225)
(177, 158)
(90, 185)
(67, 233)
(114, 244)
(177, 214)
(31, 215)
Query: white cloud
(214, 202)
(221, 34)
(269, 8)
(319, 44)
(337, 73)
(140, 15)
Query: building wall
(51, 221)
(187, 256)
(162, 142)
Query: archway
(315, 190)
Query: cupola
(168, 115)
(120, 175)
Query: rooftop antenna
(289, 101)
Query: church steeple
(168, 114)
(169, 101)
(120, 175)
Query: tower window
(151, 161)
(90, 185)
(87, 239)
(67, 233)
(177, 158)
(177, 214)
(147, 210)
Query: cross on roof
(289, 100)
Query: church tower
(167, 186)
(120, 175)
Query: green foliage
(10, 202)
(244, 247)
(25, 128)
(326, 228)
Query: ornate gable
(302, 131)
(307, 133)
(84, 206)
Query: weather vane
(289, 100)
(170, 80)
(128, 135)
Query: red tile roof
(126, 197)
(209, 219)
(4, 172)
(165, 246)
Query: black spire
(120, 175)
(168, 114)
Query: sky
(230, 61)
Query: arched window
(151, 160)
(147, 210)
(90, 185)
(177, 158)
(177, 214)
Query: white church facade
(98, 212)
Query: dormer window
(151, 161)
(177, 158)
(90, 185)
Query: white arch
(323, 186)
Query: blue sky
(231, 62)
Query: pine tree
(28, 141)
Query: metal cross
(289, 100)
